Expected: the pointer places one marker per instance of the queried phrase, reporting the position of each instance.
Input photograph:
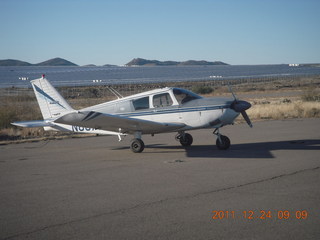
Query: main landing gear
(185, 139)
(137, 145)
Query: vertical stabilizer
(51, 103)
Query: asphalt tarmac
(266, 186)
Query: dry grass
(284, 110)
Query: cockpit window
(162, 100)
(141, 103)
(184, 96)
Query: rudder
(51, 103)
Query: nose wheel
(223, 142)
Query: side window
(162, 100)
(141, 103)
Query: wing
(116, 123)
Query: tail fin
(51, 103)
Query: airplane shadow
(246, 150)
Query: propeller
(241, 107)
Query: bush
(312, 95)
(7, 116)
(202, 89)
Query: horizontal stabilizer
(31, 124)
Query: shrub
(7, 115)
(311, 95)
(202, 89)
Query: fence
(21, 104)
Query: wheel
(224, 144)
(186, 140)
(137, 145)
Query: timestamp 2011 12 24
(260, 214)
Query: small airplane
(162, 110)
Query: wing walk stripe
(91, 115)
(88, 115)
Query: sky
(102, 32)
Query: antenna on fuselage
(115, 92)
(230, 89)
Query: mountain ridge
(145, 62)
(51, 62)
(134, 62)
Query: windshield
(184, 96)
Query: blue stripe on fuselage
(157, 111)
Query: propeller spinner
(241, 106)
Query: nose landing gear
(223, 142)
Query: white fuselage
(194, 114)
